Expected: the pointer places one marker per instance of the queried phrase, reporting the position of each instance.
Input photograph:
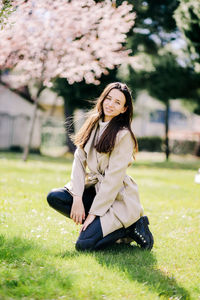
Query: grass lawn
(37, 255)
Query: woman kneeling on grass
(105, 200)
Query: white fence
(14, 131)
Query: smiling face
(114, 104)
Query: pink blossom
(75, 40)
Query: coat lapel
(95, 160)
(90, 143)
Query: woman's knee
(88, 238)
(51, 197)
(59, 197)
(84, 245)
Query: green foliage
(150, 143)
(183, 147)
(169, 80)
(37, 255)
(156, 144)
(5, 10)
(153, 19)
(187, 16)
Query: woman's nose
(110, 103)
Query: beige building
(15, 114)
(150, 115)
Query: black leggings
(92, 238)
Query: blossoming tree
(76, 40)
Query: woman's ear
(124, 109)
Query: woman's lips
(109, 110)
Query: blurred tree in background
(168, 81)
(46, 40)
(154, 27)
(187, 16)
(157, 66)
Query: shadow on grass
(140, 266)
(26, 271)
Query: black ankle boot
(140, 233)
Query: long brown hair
(123, 120)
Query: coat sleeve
(120, 158)
(77, 184)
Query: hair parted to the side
(123, 120)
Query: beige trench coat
(117, 199)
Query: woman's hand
(77, 210)
(89, 219)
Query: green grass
(37, 255)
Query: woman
(105, 200)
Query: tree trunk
(167, 150)
(68, 111)
(32, 123)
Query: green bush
(183, 147)
(150, 143)
(156, 144)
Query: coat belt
(95, 178)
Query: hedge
(156, 144)
(150, 143)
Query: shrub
(150, 143)
(182, 147)
(156, 144)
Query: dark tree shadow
(140, 266)
(34, 271)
